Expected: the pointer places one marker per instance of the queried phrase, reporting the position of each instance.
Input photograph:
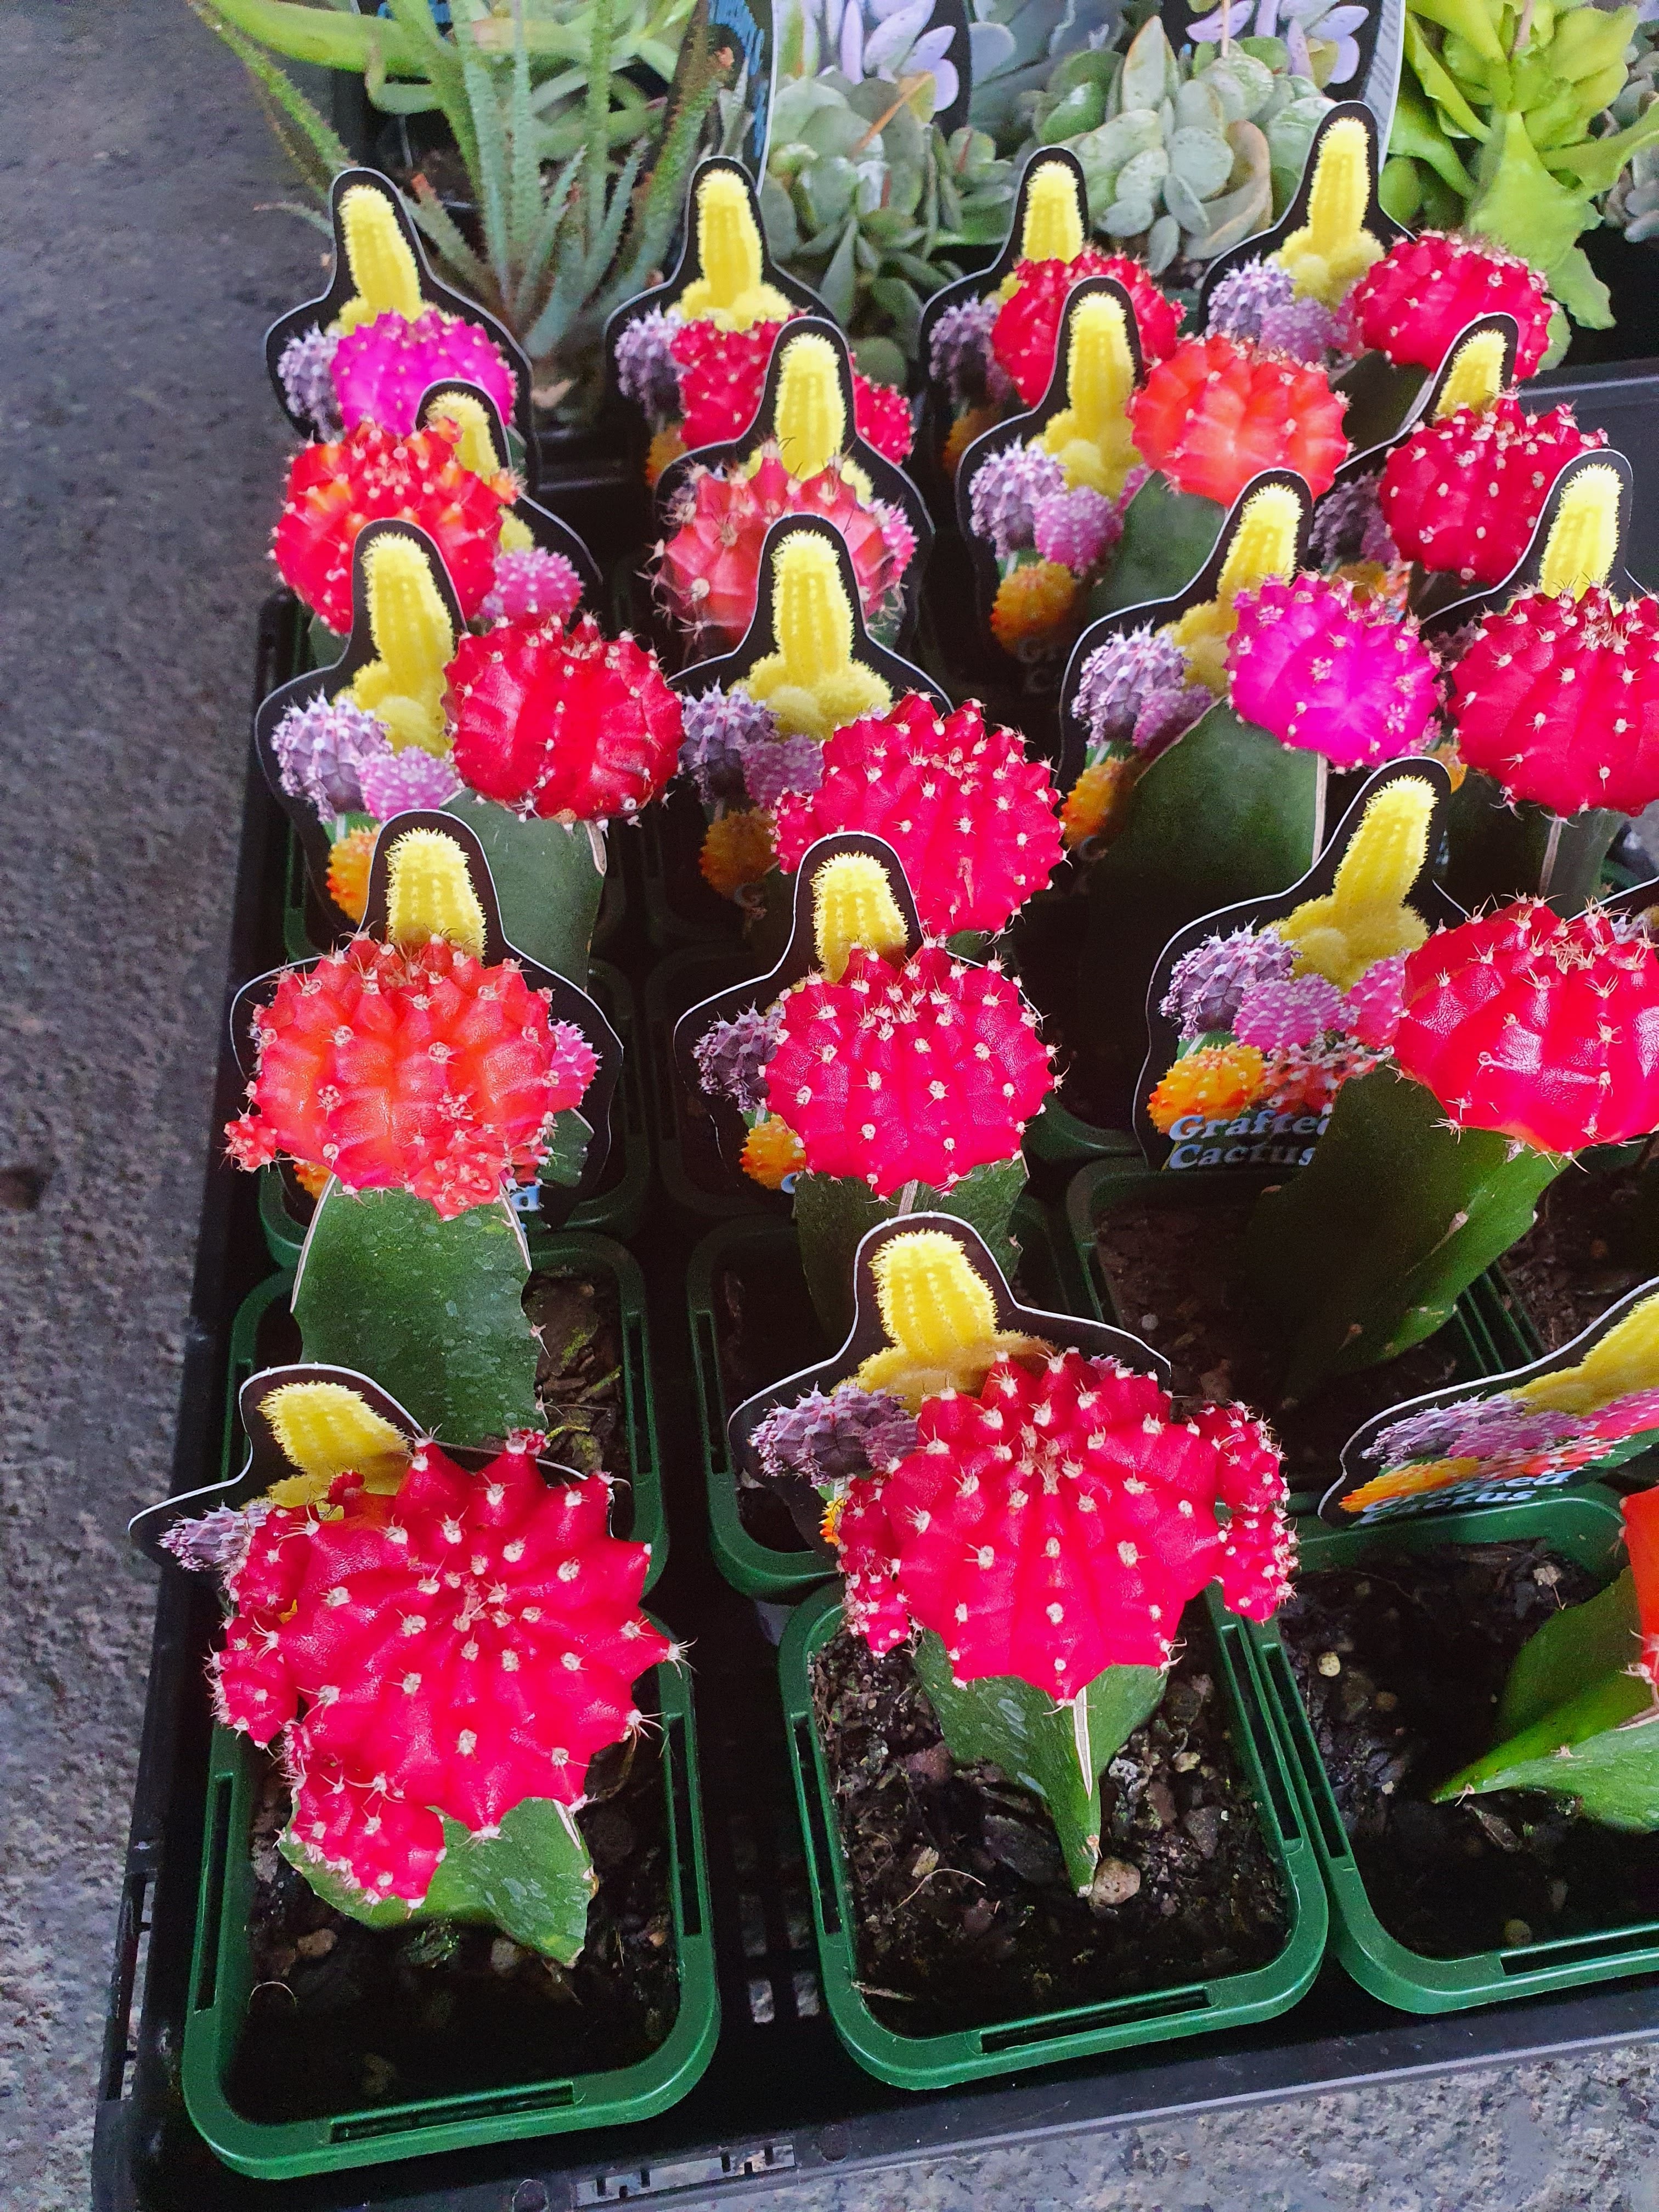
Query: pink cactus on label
(1373, 1006)
(1323, 670)
(1296, 1011)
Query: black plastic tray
(781, 2097)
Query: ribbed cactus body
(1425, 289)
(1219, 411)
(1004, 494)
(305, 371)
(381, 367)
(961, 357)
(719, 728)
(563, 723)
(1090, 436)
(1324, 671)
(322, 749)
(1557, 701)
(532, 586)
(971, 818)
(647, 370)
(1027, 327)
(829, 1437)
(414, 635)
(1463, 494)
(1078, 529)
(722, 375)
(371, 474)
(382, 265)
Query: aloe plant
(577, 176)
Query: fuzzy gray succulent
(1634, 203)
(1182, 162)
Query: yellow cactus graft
(1584, 540)
(1263, 545)
(1626, 1360)
(325, 1429)
(1364, 917)
(476, 449)
(940, 1321)
(852, 904)
(811, 683)
(1333, 249)
(1475, 377)
(812, 417)
(430, 893)
(1090, 437)
(731, 293)
(383, 268)
(414, 642)
(1054, 229)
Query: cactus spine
(326, 1429)
(940, 1320)
(429, 894)
(1475, 377)
(852, 904)
(1054, 229)
(811, 419)
(1584, 540)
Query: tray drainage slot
(362, 2127)
(1588, 1947)
(685, 2173)
(714, 1398)
(818, 1831)
(1333, 1835)
(218, 1853)
(1160, 2004)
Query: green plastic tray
(758, 1569)
(675, 984)
(221, 1980)
(638, 1509)
(934, 2062)
(1058, 1142)
(1582, 1525)
(616, 1211)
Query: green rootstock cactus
(1521, 1040)
(1580, 1711)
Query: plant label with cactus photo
(1571, 1417)
(1259, 1014)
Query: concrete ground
(138, 467)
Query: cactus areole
(430, 1660)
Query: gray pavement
(138, 469)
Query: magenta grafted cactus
(532, 586)
(1322, 669)
(381, 368)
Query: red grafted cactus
(1219, 411)
(904, 1072)
(1464, 495)
(972, 819)
(1412, 304)
(1543, 1030)
(723, 374)
(382, 369)
(401, 1069)
(565, 724)
(1558, 700)
(450, 1650)
(373, 474)
(1055, 1525)
(1027, 328)
(1324, 670)
(1641, 1513)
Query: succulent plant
(1412, 304)
(1026, 331)
(321, 749)
(530, 584)
(306, 369)
(1633, 201)
(1003, 496)
(413, 1771)
(1126, 688)
(720, 725)
(381, 367)
(722, 373)
(732, 1057)
(1463, 494)
(1184, 155)
(1257, 301)
(400, 783)
(1315, 667)
(1219, 411)
(1208, 984)
(785, 769)
(829, 1439)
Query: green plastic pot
(637, 1507)
(1059, 1142)
(1581, 1525)
(934, 2062)
(222, 1975)
(765, 1570)
(675, 985)
(614, 1210)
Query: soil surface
(343, 2015)
(1177, 1273)
(578, 1369)
(963, 1911)
(1594, 1239)
(765, 1329)
(1422, 1647)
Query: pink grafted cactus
(382, 367)
(448, 1651)
(1328, 673)
(1543, 1030)
(1412, 304)
(974, 821)
(918, 1072)
(1056, 1524)
(1463, 494)
(1557, 701)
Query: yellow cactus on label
(383, 268)
(1475, 377)
(430, 893)
(1626, 1360)
(414, 644)
(731, 292)
(811, 417)
(1364, 917)
(1413, 1480)
(476, 449)
(1584, 540)
(1090, 437)
(1333, 249)
(1055, 227)
(940, 1321)
(327, 1430)
(852, 904)
(811, 683)
(1263, 545)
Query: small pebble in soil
(1515, 1933)
(1329, 1663)
(1115, 1883)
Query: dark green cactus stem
(546, 879)
(534, 1881)
(1499, 851)
(1366, 1251)
(1057, 1751)
(1576, 1720)
(1227, 813)
(834, 1212)
(433, 1309)
(1168, 536)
